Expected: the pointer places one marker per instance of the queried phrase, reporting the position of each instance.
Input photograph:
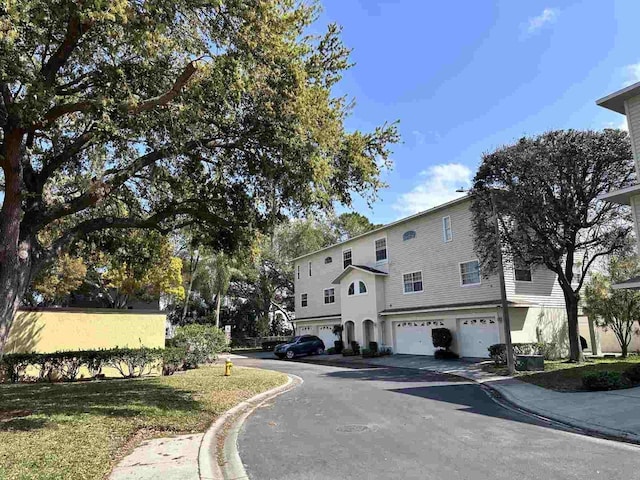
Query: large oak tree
(159, 114)
(545, 190)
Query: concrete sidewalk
(611, 414)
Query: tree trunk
(625, 349)
(571, 303)
(193, 265)
(218, 302)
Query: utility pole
(506, 320)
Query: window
(447, 234)
(329, 295)
(362, 288)
(304, 300)
(412, 282)
(328, 260)
(522, 271)
(309, 268)
(298, 272)
(411, 234)
(381, 250)
(346, 258)
(470, 273)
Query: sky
(464, 77)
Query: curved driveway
(390, 423)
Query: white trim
(347, 250)
(389, 225)
(307, 305)
(460, 273)
(356, 293)
(386, 249)
(444, 230)
(514, 273)
(421, 281)
(324, 296)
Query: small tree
(545, 190)
(442, 338)
(615, 309)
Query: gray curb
(228, 425)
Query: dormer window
(409, 235)
(328, 260)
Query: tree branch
(75, 30)
(166, 97)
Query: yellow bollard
(227, 368)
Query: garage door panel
(414, 338)
(475, 335)
(325, 333)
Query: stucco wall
(53, 330)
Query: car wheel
(290, 354)
(319, 351)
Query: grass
(79, 430)
(564, 376)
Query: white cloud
(548, 15)
(632, 74)
(622, 125)
(419, 136)
(439, 186)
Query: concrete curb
(226, 428)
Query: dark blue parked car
(302, 345)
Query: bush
(441, 338)
(633, 374)
(603, 380)
(134, 362)
(369, 353)
(348, 352)
(15, 365)
(173, 359)
(331, 351)
(385, 351)
(498, 352)
(202, 343)
(442, 354)
(355, 347)
(338, 345)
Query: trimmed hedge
(65, 366)
(202, 343)
(498, 352)
(633, 374)
(603, 380)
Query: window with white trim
(447, 234)
(521, 271)
(309, 268)
(328, 260)
(412, 282)
(304, 300)
(470, 273)
(362, 288)
(329, 295)
(408, 235)
(346, 258)
(352, 289)
(381, 250)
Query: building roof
(615, 101)
(632, 284)
(449, 306)
(388, 225)
(622, 196)
(318, 317)
(362, 268)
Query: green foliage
(618, 309)
(441, 338)
(373, 346)
(331, 351)
(546, 192)
(633, 374)
(498, 351)
(202, 343)
(173, 359)
(351, 224)
(134, 362)
(369, 353)
(603, 380)
(348, 352)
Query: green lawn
(563, 376)
(79, 430)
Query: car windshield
(296, 339)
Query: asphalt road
(381, 423)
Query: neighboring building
(627, 102)
(394, 284)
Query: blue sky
(465, 77)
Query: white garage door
(475, 335)
(414, 338)
(308, 330)
(326, 335)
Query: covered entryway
(475, 335)
(368, 334)
(349, 332)
(414, 338)
(325, 333)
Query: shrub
(94, 360)
(385, 351)
(498, 352)
(172, 360)
(369, 353)
(633, 374)
(442, 354)
(331, 351)
(15, 365)
(355, 347)
(202, 343)
(348, 352)
(67, 365)
(373, 346)
(603, 380)
(339, 346)
(441, 338)
(134, 362)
